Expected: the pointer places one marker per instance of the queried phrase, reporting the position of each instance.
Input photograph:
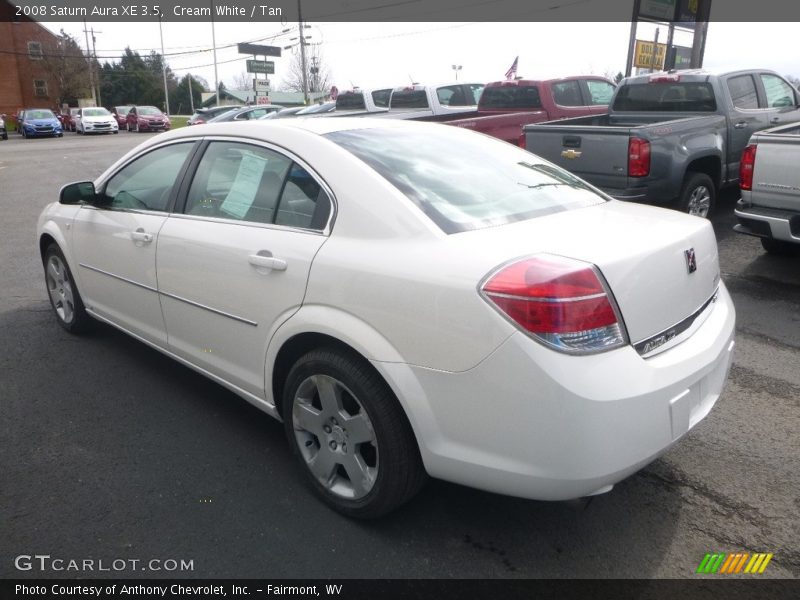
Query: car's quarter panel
(219, 304)
(115, 252)
(537, 424)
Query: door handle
(265, 260)
(140, 236)
(740, 125)
(774, 119)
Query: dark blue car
(35, 122)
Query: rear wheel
(697, 195)
(780, 247)
(64, 296)
(350, 434)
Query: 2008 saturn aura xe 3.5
(410, 299)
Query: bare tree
(242, 81)
(795, 81)
(318, 74)
(66, 63)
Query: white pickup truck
(770, 184)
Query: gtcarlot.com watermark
(48, 563)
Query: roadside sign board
(261, 85)
(259, 50)
(261, 66)
(263, 100)
(643, 56)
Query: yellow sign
(643, 56)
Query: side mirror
(78, 193)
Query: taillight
(746, 167)
(559, 301)
(638, 157)
(521, 141)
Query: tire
(353, 440)
(698, 195)
(779, 247)
(63, 293)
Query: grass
(178, 122)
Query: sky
(373, 55)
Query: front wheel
(697, 195)
(350, 434)
(64, 296)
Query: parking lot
(109, 450)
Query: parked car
(317, 109)
(434, 102)
(37, 122)
(285, 113)
(147, 118)
(95, 120)
(3, 130)
(363, 101)
(670, 138)
(770, 183)
(408, 298)
(505, 107)
(248, 113)
(121, 114)
(204, 115)
(68, 119)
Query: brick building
(24, 77)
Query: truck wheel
(779, 247)
(697, 195)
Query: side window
(567, 93)
(381, 98)
(304, 203)
(237, 181)
(600, 92)
(779, 93)
(451, 95)
(474, 91)
(146, 183)
(743, 91)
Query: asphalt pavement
(111, 451)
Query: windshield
(148, 110)
(666, 97)
(39, 114)
(463, 181)
(95, 112)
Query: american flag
(512, 71)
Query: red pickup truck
(506, 106)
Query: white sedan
(408, 298)
(95, 120)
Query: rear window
(463, 181)
(666, 97)
(350, 101)
(511, 97)
(409, 99)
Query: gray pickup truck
(770, 182)
(669, 138)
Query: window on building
(35, 50)
(40, 87)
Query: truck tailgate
(597, 154)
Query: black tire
(389, 460)
(63, 293)
(779, 247)
(698, 195)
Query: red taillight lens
(638, 157)
(559, 301)
(746, 166)
(521, 140)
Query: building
(24, 78)
(275, 97)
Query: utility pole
(214, 46)
(302, 53)
(91, 66)
(164, 69)
(191, 92)
(94, 65)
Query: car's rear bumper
(534, 423)
(765, 222)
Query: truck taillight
(521, 141)
(638, 157)
(746, 166)
(559, 301)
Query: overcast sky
(388, 54)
